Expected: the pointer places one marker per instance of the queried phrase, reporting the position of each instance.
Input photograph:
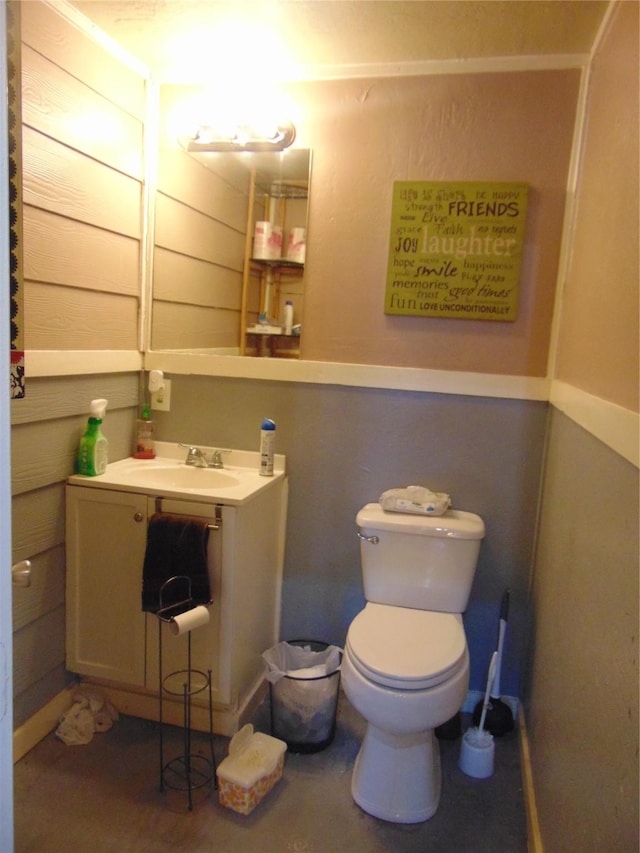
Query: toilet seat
(404, 648)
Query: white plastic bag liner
(300, 662)
(304, 693)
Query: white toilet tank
(418, 561)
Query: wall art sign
(456, 249)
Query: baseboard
(41, 723)
(143, 703)
(226, 721)
(534, 839)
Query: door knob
(21, 573)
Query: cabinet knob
(138, 516)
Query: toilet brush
(499, 717)
(493, 666)
(477, 750)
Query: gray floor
(105, 797)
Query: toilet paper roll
(296, 245)
(275, 243)
(189, 620)
(262, 240)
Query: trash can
(304, 680)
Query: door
(6, 675)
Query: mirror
(221, 282)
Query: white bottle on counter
(267, 447)
(288, 317)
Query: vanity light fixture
(241, 138)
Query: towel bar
(214, 525)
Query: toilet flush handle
(372, 539)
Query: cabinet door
(106, 540)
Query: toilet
(405, 667)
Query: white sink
(177, 475)
(168, 475)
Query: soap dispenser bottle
(144, 435)
(93, 448)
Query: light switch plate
(161, 400)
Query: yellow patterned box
(253, 766)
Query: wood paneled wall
(83, 123)
(83, 173)
(46, 427)
(200, 231)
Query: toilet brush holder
(477, 753)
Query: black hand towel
(176, 545)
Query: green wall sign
(456, 249)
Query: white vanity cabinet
(113, 642)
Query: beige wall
(477, 127)
(366, 134)
(582, 710)
(598, 343)
(583, 686)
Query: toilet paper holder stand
(168, 612)
(187, 771)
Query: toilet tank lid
(454, 523)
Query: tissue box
(253, 766)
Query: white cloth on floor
(90, 713)
(76, 725)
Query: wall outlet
(161, 400)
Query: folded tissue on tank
(415, 499)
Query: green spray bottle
(93, 448)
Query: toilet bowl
(406, 672)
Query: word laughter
(460, 247)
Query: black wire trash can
(304, 678)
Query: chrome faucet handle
(216, 458)
(195, 456)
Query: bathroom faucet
(197, 457)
